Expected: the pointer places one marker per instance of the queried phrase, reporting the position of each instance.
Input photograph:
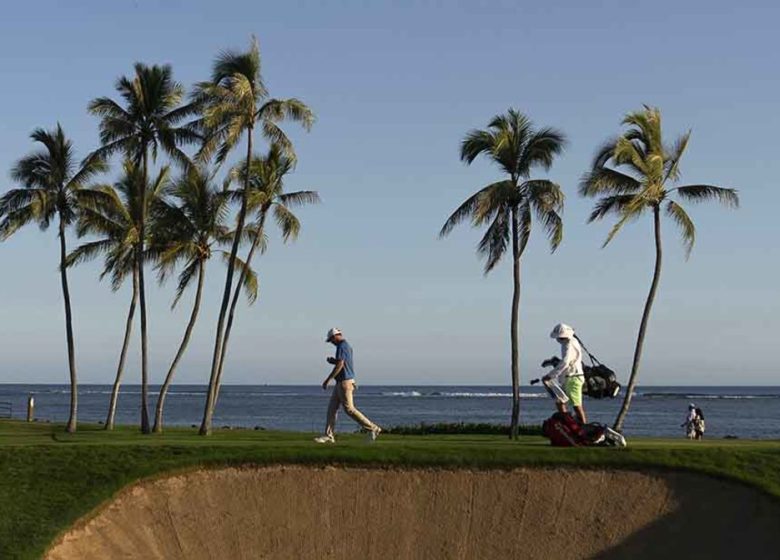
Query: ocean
(744, 412)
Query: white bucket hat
(562, 330)
(331, 333)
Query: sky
(395, 87)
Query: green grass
(48, 479)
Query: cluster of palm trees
(171, 221)
(177, 223)
(630, 175)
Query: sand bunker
(334, 513)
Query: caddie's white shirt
(571, 359)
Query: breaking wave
(706, 396)
(461, 394)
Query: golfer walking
(344, 374)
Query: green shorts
(573, 388)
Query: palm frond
(701, 193)
(541, 148)
(503, 195)
(188, 273)
(674, 157)
(627, 153)
(277, 137)
(277, 110)
(630, 212)
(524, 225)
(610, 204)
(684, 223)
(604, 180)
(255, 233)
(466, 210)
(300, 198)
(546, 199)
(87, 252)
(17, 219)
(16, 199)
(124, 144)
(289, 225)
(118, 265)
(35, 170)
(107, 107)
(494, 243)
(250, 283)
(476, 142)
(604, 153)
(94, 222)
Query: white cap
(561, 330)
(331, 333)
(691, 405)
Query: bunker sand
(333, 513)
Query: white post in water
(30, 408)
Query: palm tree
(648, 168)
(186, 232)
(507, 206)
(51, 179)
(148, 121)
(116, 216)
(233, 103)
(266, 181)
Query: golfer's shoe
(374, 433)
(325, 439)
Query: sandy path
(334, 513)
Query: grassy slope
(48, 479)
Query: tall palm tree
(148, 121)
(507, 206)
(631, 174)
(116, 216)
(233, 103)
(187, 231)
(266, 181)
(51, 178)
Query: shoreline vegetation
(165, 208)
(49, 479)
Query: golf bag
(600, 381)
(563, 430)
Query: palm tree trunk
(142, 298)
(158, 416)
(234, 301)
(122, 356)
(211, 396)
(643, 325)
(71, 426)
(514, 426)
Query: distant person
(698, 424)
(690, 422)
(344, 374)
(570, 368)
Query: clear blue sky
(395, 89)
